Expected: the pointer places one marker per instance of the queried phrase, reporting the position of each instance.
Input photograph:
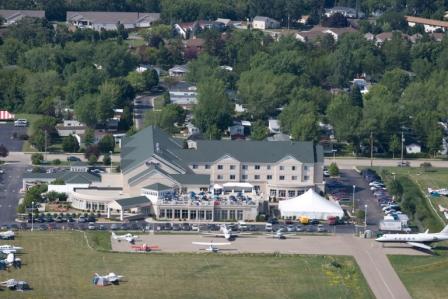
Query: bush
(426, 166)
(57, 162)
(92, 160)
(333, 169)
(107, 160)
(37, 159)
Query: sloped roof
(11, 14)
(157, 187)
(108, 17)
(132, 201)
(425, 21)
(68, 177)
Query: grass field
(423, 276)
(60, 265)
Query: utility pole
(402, 146)
(371, 149)
(45, 145)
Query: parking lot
(10, 185)
(7, 131)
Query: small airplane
(110, 278)
(225, 232)
(9, 249)
(145, 247)
(127, 237)
(212, 247)
(13, 284)
(279, 234)
(7, 235)
(419, 240)
(10, 261)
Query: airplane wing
(241, 234)
(210, 244)
(212, 234)
(420, 245)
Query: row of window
(201, 214)
(232, 177)
(245, 167)
(282, 193)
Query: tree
(107, 160)
(143, 81)
(214, 107)
(259, 131)
(38, 140)
(3, 151)
(85, 109)
(58, 182)
(106, 144)
(167, 118)
(36, 158)
(356, 96)
(394, 145)
(396, 189)
(333, 169)
(92, 160)
(89, 137)
(336, 20)
(434, 141)
(114, 59)
(70, 144)
(303, 128)
(92, 150)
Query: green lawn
(31, 118)
(60, 265)
(423, 276)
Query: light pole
(353, 205)
(110, 156)
(365, 217)
(334, 154)
(393, 173)
(32, 216)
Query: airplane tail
(445, 230)
(114, 235)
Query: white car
(21, 123)
(195, 227)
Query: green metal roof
(158, 187)
(132, 201)
(68, 177)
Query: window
(306, 178)
(291, 193)
(273, 192)
(282, 167)
(244, 177)
(294, 178)
(232, 177)
(177, 214)
(293, 168)
(257, 167)
(282, 178)
(207, 166)
(184, 214)
(220, 167)
(244, 167)
(208, 215)
(195, 166)
(193, 214)
(268, 167)
(305, 168)
(232, 215)
(169, 213)
(239, 215)
(219, 177)
(269, 177)
(232, 167)
(281, 193)
(257, 177)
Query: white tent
(310, 204)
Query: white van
(268, 227)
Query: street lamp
(393, 173)
(353, 205)
(32, 216)
(365, 217)
(110, 156)
(334, 154)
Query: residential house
(236, 131)
(105, 20)
(413, 148)
(12, 16)
(347, 12)
(178, 70)
(186, 29)
(430, 25)
(184, 95)
(318, 32)
(71, 127)
(264, 23)
(303, 19)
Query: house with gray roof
(98, 20)
(264, 23)
(280, 169)
(12, 16)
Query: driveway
(10, 185)
(6, 136)
(142, 104)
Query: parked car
(73, 159)
(114, 226)
(321, 228)
(82, 219)
(195, 227)
(91, 226)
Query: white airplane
(7, 235)
(419, 240)
(226, 233)
(10, 261)
(212, 247)
(127, 237)
(110, 278)
(13, 284)
(9, 249)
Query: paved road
(370, 255)
(10, 184)
(142, 104)
(363, 195)
(6, 133)
(346, 163)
